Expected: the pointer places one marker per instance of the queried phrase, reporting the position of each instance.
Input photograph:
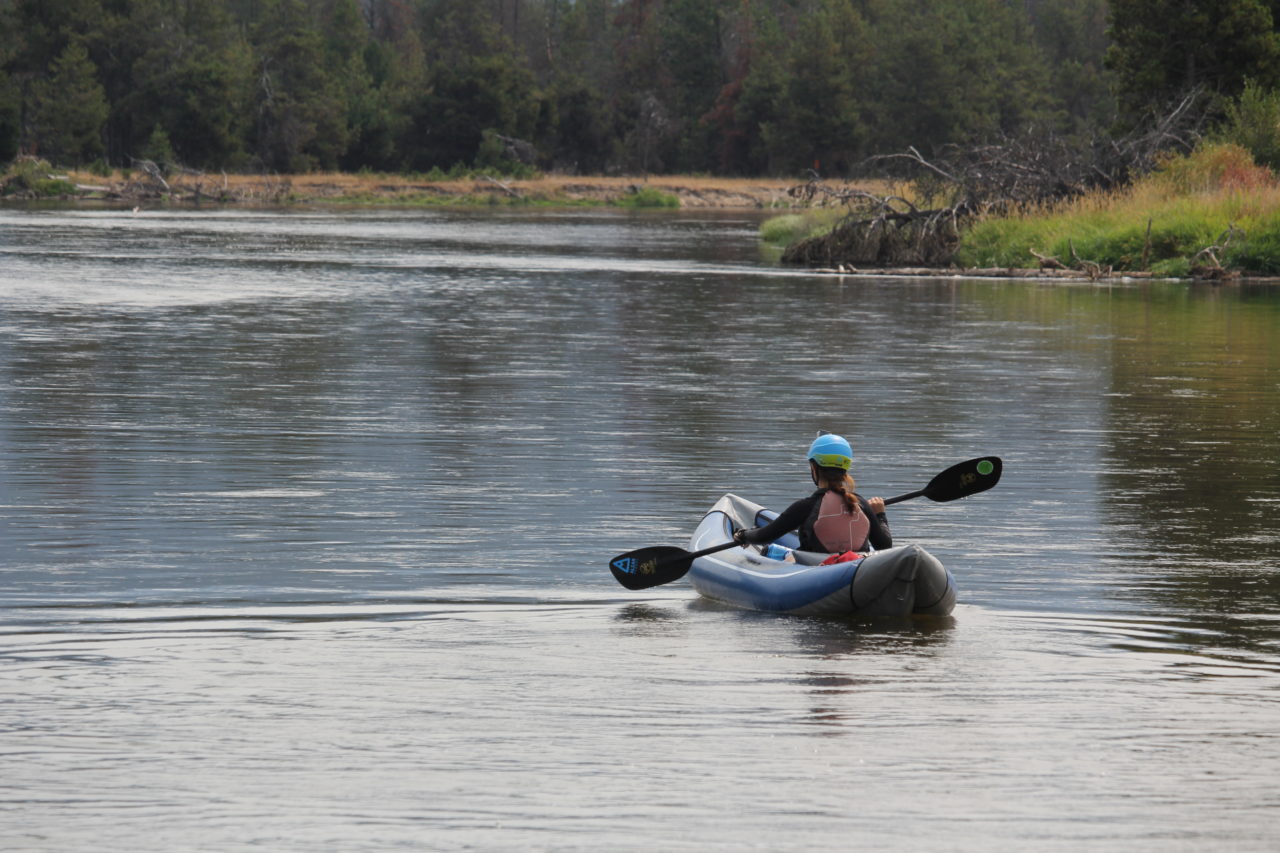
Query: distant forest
(724, 87)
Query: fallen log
(983, 272)
(1048, 262)
(506, 188)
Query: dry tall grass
(373, 188)
(1213, 209)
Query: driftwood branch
(504, 187)
(1092, 269)
(1047, 262)
(1213, 269)
(914, 156)
(152, 171)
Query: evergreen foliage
(10, 118)
(69, 108)
(1253, 122)
(1162, 49)
(696, 86)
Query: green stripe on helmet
(831, 451)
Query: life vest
(839, 529)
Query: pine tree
(476, 83)
(690, 32)
(300, 116)
(962, 71)
(185, 69)
(819, 122)
(10, 95)
(10, 118)
(70, 109)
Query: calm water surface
(305, 520)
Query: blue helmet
(831, 451)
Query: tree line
(731, 87)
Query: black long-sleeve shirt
(802, 514)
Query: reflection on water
(1191, 423)
(1188, 467)
(1195, 460)
(305, 519)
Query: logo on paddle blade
(626, 565)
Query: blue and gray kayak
(780, 578)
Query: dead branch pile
(174, 183)
(1040, 166)
(960, 183)
(888, 231)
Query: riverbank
(1213, 214)
(141, 187)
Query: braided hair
(837, 480)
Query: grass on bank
(647, 197)
(1214, 199)
(793, 227)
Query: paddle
(958, 481)
(661, 564)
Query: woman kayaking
(834, 519)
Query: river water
(306, 519)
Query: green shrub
(648, 197)
(1003, 243)
(1213, 166)
(1172, 268)
(1256, 248)
(159, 150)
(782, 229)
(492, 153)
(1253, 122)
(793, 227)
(30, 177)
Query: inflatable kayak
(779, 578)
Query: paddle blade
(966, 478)
(651, 566)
